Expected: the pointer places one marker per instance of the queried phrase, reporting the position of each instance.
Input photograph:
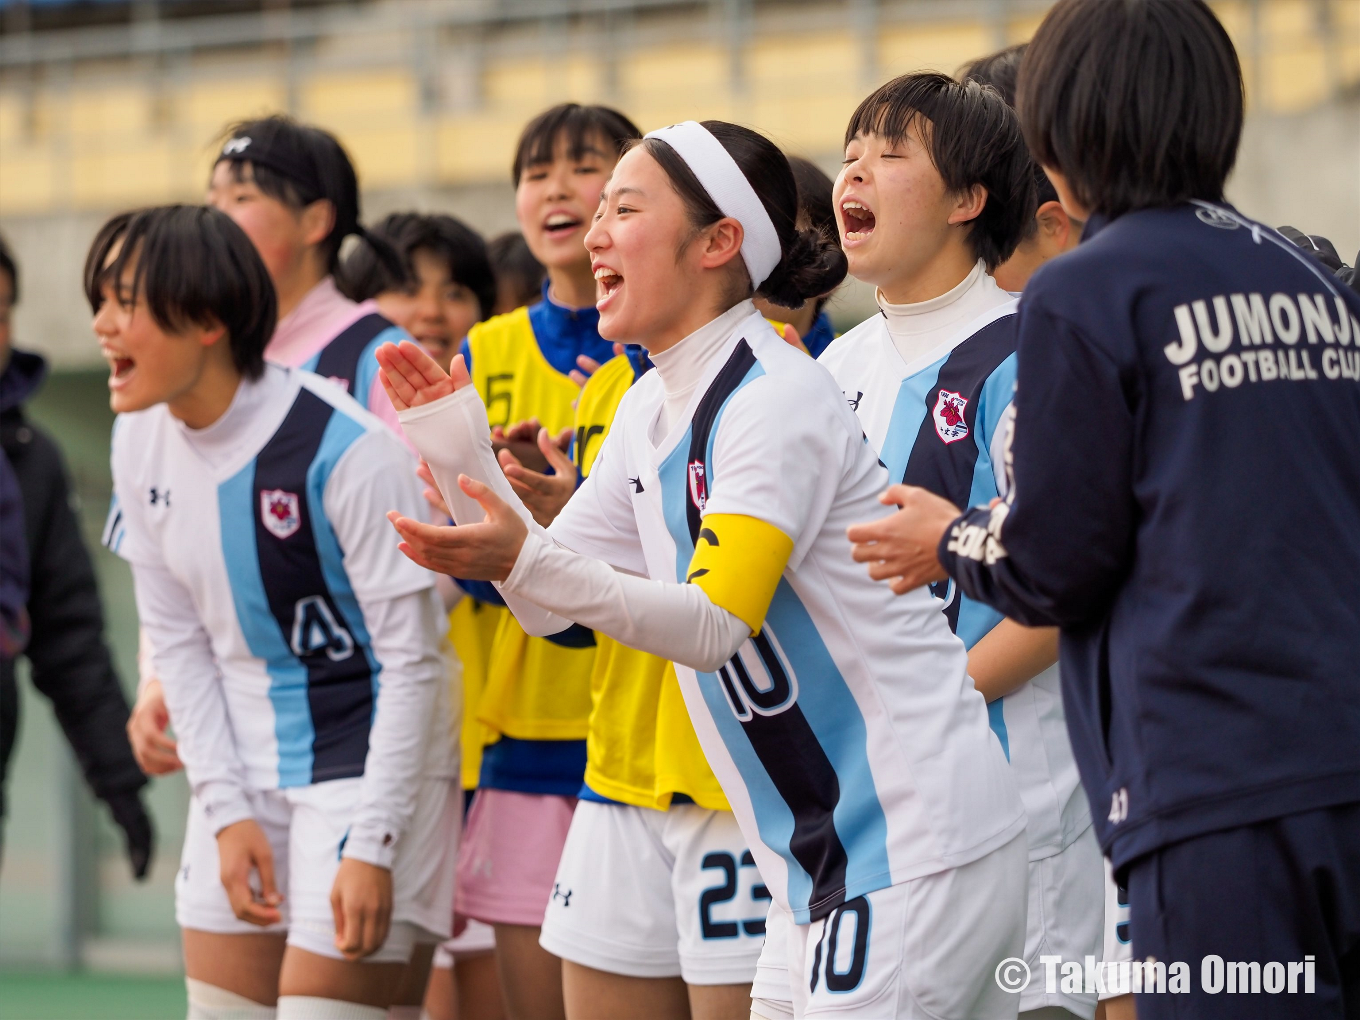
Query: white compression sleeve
(453, 436)
(674, 621)
(405, 634)
(551, 587)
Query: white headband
(731, 192)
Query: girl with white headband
(854, 751)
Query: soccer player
(300, 657)
(856, 755)
(293, 190)
(936, 191)
(528, 365)
(448, 287)
(815, 211)
(1187, 430)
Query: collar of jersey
(744, 328)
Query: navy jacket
(1186, 507)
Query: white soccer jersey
(854, 751)
(275, 597)
(936, 423)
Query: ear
(968, 205)
(318, 219)
(723, 243)
(1054, 223)
(208, 335)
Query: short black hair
(1137, 103)
(362, 275)
(299, 164)
(579, 126)
(810, 263)
(10, 268)
(1000, 70)
(194, 265)
(973, 137)
(517, 271)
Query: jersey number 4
(315, 629)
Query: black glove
(129, 814)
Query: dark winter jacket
(70, 661)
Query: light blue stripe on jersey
(834, 715)
(341, 433)
(909, 409)
(287, 676)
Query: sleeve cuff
(223, 804)
(374, 844)
(524, 565)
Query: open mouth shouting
(607, 284)
(121, 368)
(561, 224)
(857, 219)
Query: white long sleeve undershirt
(552, 587)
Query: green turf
(90, 997)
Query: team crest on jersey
(949, 421)
(281, 512)
(698, 484)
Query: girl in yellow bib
(528, 365)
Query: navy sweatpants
(1259, 898)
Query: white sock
(771, 1009)
(209, 1002)
(404, 1012)
(310, 1007)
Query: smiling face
(657, 279)
(895, 215)
(435, 309)
(149, 365)
(554, 202)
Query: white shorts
(306, 826)
(476, 939)
(927, 949)
(1066, 918)
(1118, 944)
(655, 894)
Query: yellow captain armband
(738, 561)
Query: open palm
(412, 378)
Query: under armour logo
(160, 496)
(558, 894)
(637, 484)
(854, 401)
(236, 146)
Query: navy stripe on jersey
(340, 688)
(947, 468)
(340, 358)
(784, 743)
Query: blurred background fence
(107, 104)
